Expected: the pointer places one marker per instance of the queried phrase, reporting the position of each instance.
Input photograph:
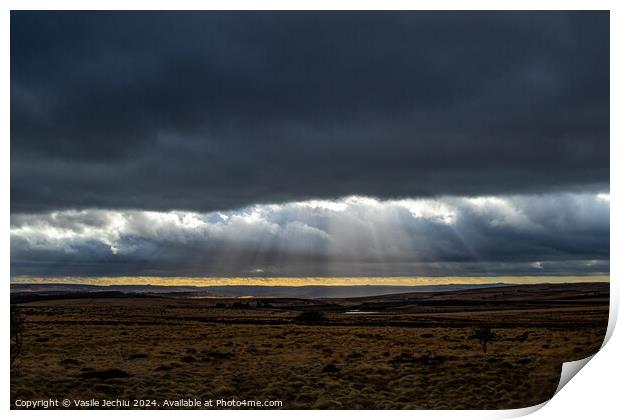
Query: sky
(240, 144)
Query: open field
(412, 350)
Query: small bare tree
(484, 335)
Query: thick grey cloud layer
(189, 143)
(552, 234)
(205, 111)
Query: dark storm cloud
(204, 111)
(541, 235)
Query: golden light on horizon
(306, 281)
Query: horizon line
(306, 281)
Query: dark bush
(137, 356)
(331, 368)
(523, 337)
(312, 318)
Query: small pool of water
(360, 312)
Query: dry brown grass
(169, 349)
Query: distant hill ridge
(309, 292)
(28, 292)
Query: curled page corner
(570, 369)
